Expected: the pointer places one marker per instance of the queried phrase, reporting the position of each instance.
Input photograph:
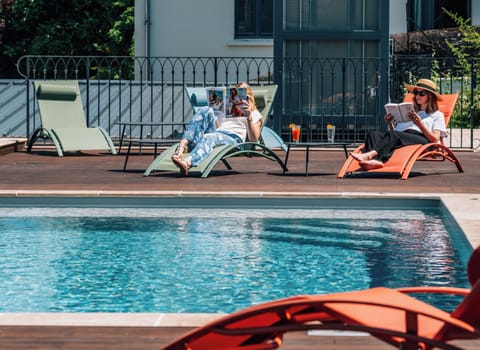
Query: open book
(227, 102)
(399, 111)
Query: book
(399, 111)
(227, 102)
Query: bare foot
(183, 165)
(178, 154)
(360, 157)
(371, 164)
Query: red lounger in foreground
(387, 314)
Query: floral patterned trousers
(203, 137)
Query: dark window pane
(430, 15)
(253, 18)
(246, 16)
(442, 20)
(266, 17)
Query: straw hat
(425, 84)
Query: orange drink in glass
(296, 133)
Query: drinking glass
(331, 133)
(296, 133)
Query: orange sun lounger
(388, 314)
(404, 158)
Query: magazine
(227, 102)
(400, 111)
(217, 100)
(237, 101)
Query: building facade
(189, 28)
(329, 57)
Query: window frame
(257, 14)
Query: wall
(398, 16)
(475, 12)
(186, 28)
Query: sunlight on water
(161, 260)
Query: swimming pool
(217, 255)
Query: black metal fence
(346, 92)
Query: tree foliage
(67, 27)
(466, 52)
(468, 49)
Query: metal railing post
(215, 71)
(473, 87)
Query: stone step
(9, 145)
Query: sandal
(178, 154)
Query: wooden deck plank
(152, 338)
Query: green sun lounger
(264, 96)
(63, 119)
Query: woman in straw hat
(426, 124)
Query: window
(429, 14)
(253, 18)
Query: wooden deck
(150, 338)
(42, 172)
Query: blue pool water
(216, 260)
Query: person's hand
(388, 118)
(246, 108)
(415, 118)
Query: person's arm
(254, 125)
(255, 128)
(432, 135)
(389, 120)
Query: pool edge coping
(105, 319)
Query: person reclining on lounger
(427, 125)
(205, 132)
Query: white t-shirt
(239, 125)
(433, 121)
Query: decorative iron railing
(347, 92)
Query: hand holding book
(400, 111)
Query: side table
(308, 145)
(154, 141)
(142, 125)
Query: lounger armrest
(435, 290)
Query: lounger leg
(126, 157)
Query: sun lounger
(264, 96)
(63, 120)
